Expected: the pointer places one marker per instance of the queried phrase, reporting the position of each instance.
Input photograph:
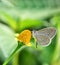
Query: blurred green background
(18, 15)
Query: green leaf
(35, 4)
(8, 19)
(56, 55)
(7, 42)
(32, 8)
(29, 24)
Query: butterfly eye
(24, 36)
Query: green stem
(57, 50)
(10, 57)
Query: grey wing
(43, 40)
(50, 32)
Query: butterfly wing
(44, 36)
(43, 40)
(50, 32)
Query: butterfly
(44, 36)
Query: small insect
(44, 36)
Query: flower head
(24, 37)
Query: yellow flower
(24, 37)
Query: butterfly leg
(36, 44)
